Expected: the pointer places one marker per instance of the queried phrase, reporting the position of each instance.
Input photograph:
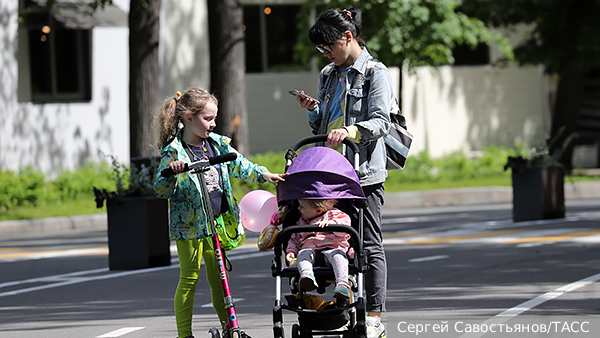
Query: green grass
(27, 194)
(86, 206)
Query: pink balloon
(257, 207)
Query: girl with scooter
(185, 135)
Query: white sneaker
(374, 328)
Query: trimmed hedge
(29, 187)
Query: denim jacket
(187, 219)
(368, 111)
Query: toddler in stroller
(320, 174)
(304, 246)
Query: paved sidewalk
(393, 201)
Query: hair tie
(348, 13)
(178, 96)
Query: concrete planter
(538, 193)
(138, 233)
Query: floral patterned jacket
(188, 220)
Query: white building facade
(452, 108)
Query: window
(59, 59)
(464, 55)
(271, 33)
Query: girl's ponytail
(166, 121)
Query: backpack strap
(395, 113)
(365, 81)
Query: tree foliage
(561, 34)
(420, 32)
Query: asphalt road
(446, 264)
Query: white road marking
(534, 244)
(528, 305)
(120, 332)
(549, 296)
(234, 301)
(426, 259)
(519, 235)
(74, 277)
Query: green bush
(420, 168)
(456, 166)
(29, 188)
(80, 183)
(275, 162)
(26, 188)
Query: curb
(479, 195)
(447, 197)
(53, 224)
(395, 200)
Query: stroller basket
(329, 319)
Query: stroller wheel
(294, 285)
(360, 331)
(295, 331)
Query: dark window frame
(60, 61)
(270, 39)
(464, 55)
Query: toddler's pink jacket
(321, 240)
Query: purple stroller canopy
(318, 173)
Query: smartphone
(296, 92)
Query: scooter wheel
(214, 333)
(278, 331)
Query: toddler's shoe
(308, 282)
(341, 291)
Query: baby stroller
(320, 173)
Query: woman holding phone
(355, 95)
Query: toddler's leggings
(336, 258)
(190, 254)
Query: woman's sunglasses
(324, 49)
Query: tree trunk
(566, 112)
(228, 69)
(144, 74)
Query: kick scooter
(232, 329)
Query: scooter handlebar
(201, 164)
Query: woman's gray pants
(376, 276)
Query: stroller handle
(323, 138)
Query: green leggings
(189, 262)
